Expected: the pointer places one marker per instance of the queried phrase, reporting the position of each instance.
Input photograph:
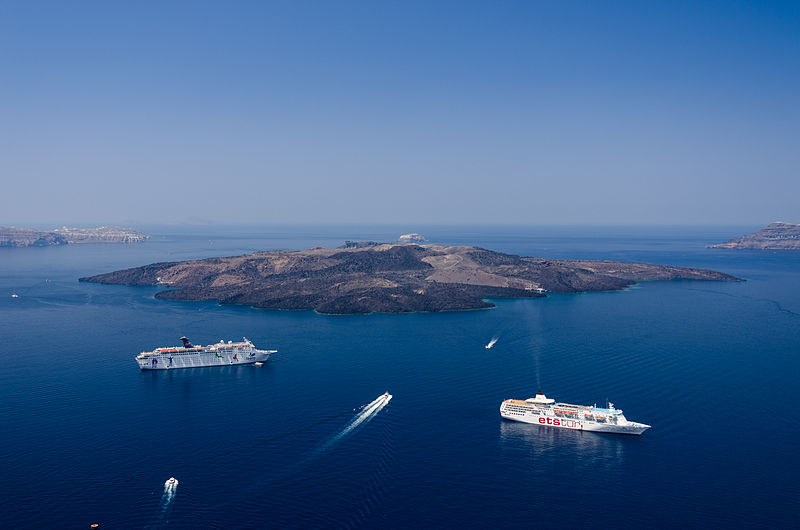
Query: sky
(393, 112)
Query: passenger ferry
(189, 356)
(542, 410)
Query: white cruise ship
(189, 356)
(545, 411)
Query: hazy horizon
(408, 227)
(384, 113)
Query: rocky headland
(775, 236)
(27, 237)
(389, 278)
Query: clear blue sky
(399, 112)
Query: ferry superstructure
(542, 410)
(189, 356)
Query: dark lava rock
(389, 278)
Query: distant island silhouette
(11, 236)
(387, 278)
(775, 236)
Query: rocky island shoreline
(387, 278)
(775, 236)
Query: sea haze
(88, 438)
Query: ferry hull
(546, 412)
(173, 361)
(576, 425)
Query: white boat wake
(170, 490)
(492, 343)
(368, 411)
(364, 415)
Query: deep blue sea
(85, 437)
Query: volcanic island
(387, 278)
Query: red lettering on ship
(561, 423)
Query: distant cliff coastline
(776, 236)
(27, 237)
(388, 278)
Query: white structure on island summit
(411, 238)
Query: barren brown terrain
(391, 278)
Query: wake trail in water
(776, 303)
(365, 414)
(170, 490)
(376, 486)
(369, 411)
(492, 342)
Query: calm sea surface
(86, 437)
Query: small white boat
(172, 481)
(14, 295)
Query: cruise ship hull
(559, 423)
(221, 354)
(545, 412)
